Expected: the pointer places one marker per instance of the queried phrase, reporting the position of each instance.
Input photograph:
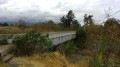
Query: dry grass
(39, 28)
(46, 27)
(54, 59)
(2, 64)
(13, 29)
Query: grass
(13, 30)
(54, 59)
(2, 64)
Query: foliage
(4, 24)
(81, 37)
(100, 59)
(96, 61)
(64, 21)
(3, 42)
(54, 59)
(70, 17)
(112, 26)
(98, 36)
(2, 64)
(50, 22)
(28, 43)
(111, 21)
(76, 25)
(67, 48)
(88, 19)
(69, 20)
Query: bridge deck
(56, 37)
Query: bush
(99, 59)
(3, 42)
(81, 37)
(96, 61)
(28, 43)
(67, 48)
(44, 44)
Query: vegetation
(69, 20)
(102, 41)
(21, 24)
(54, 59)
(29, 43)
(13, 30)
(2, 64)
(47, 26)
(81, 37)
(67, 48)
(3, 42)
(4, 24)
(68, 23)
(94, 46)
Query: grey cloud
(3, 1)
(36, 13)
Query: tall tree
(64, 21)
(70, 16)
(68, 19)
(90, 20)
(51, 22)
(76, 24)
(85, 19)
(112, 26)
(4, 24)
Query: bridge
(56, 38)
(60, 37)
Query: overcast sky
(42, 10)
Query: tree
(50, 22)
(90, 20)
(4, 24)
(76, 24)
(21, 23)
(85, 19)
(68, 19)
(64, 21)
(112, 26)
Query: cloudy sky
(41, 10)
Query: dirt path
(4, 47)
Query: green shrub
(81, 37)
(44, 44)
(3, 42)
(67, 48)
(100, 60)
(96, 60)
(28, 43)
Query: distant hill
(13, 22)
